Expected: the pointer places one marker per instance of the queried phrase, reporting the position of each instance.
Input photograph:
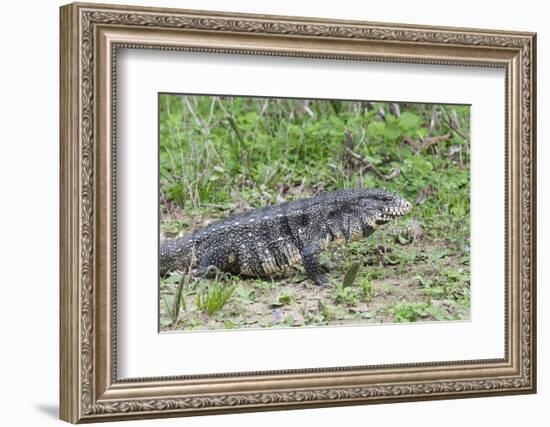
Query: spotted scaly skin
(271, 240)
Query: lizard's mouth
(402, 207)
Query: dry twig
(369, 166)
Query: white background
(29, 170)
(141, 347)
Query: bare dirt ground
(419, 281)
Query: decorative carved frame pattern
(90, 36)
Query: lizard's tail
(176, 254)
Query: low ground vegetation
(223, 155)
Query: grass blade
(350, 275)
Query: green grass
(222, 155)
(214, 298)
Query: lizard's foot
(321, 280)
(209, 272)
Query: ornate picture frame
(91, 34)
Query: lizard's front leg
(218, 258)
(314, 269)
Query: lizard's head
(382, 206)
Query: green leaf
(350, 275)
(409, 121)
(440, 253)
(174, 278)
(391, 133)
(373, 160)
(376, 129)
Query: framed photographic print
(265, 212)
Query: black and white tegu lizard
(271, 240)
